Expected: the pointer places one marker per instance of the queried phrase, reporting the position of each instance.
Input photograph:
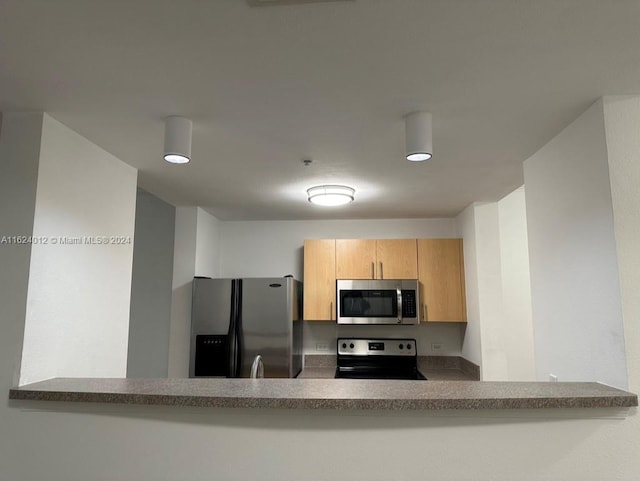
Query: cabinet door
(355, 258)
(441, 272)
(396, 259)
(319, 280)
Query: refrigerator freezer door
(210, 313)
(270, 324)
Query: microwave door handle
(399, 293)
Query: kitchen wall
(66, 441)
(151, 287)
(489, 281)
(471, 344)
(184, 269)
(499, 336)
(516, 320)
(20, 135)
(207, 245)
(77, 320)
(575, 283)
(622, 127)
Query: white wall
(207, 244)
(574, 270)
(516, 323)
(494, 358)
(622, 120)
(105, 443)
(77, 320)
(20, 136)
(472, 341)
(151, 287)
(184, 269)
(498, 334)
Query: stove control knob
(351, 345)
(344, 345)
(401, 346)
(409, 346)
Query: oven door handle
(399, 293)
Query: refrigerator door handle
(257, 368)
(238, 326)
(234, 346)
(231, 340)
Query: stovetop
(377, 359)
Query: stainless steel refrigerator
(235, 320)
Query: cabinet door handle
(331, 311)
(381, 272)
(425, 312)
(373, 270)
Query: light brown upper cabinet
(319, 280)
(376, 259)
(397, 259)
(441, 273)
(355, 259)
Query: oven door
(377, 301)
(379, 372)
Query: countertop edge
(456, 395)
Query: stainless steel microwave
(377, 301)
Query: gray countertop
(338, 394)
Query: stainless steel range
(377, 359)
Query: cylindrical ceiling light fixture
(330, 195)
(177, 140)
(419, 143)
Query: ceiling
(269, 86)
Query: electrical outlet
(436, 346)
(553, 378)
(322, 346)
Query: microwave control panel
(409, 303)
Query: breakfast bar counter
(333, 394)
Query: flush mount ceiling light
(330, 195)
(418, 136)
(177, 140)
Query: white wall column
(184, 268)
(151, 288)
(77, 320)
(207, 245)
(20, 135)
(622, 122)
(517, 319)
(575, 286)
